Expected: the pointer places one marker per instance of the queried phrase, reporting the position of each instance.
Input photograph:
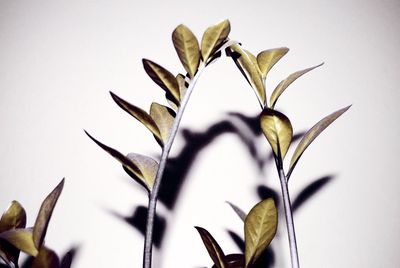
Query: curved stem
(151, 212)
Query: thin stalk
(289, 218)
(148, 239)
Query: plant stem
(151, 213)
(289, 219)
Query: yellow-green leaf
(247, 64)
(44, 215)
(268, 58)
(187, 48)
(259, 229)
(13, 217)
(164, 118)
(22, 239)
(310, 136)
(285, 83)
(46, 259)
(180, 78)
(140, 115)
(278, 131)
(213, 38)
(214, 250)
(162, 77)
(148, 168)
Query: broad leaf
(242, 215)
(268, 58)
(44, 215)
(46, 259)
(162, 77)
(22, 239)
(147, 166)
(285, 83)
(259, 229)
(13, 217)
(140, 115)
(310, 136)
(164, 118)
(278, 131)
(187, 48)
(213, 38)
(215, 251)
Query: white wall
(59, 59)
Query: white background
(59, 59)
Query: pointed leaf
(259, 229)
(164, 118)
(278, 131)
(268, 58)
(13, 217)
(215, 251)
(187, 48)
(147, 166)
(285, 83)
(242, 215)
(22, 239)
(44, 215)
(180, 78)
(162, 77)
(140, 115)
(68, 258)
(310, 136)
(213, 38)
(46, 259)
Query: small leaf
(162, 77)
(164, 118)
(13, 217)
(278, 131)
(187, 48)
(268, 58)
(140, 115)
(310, 136)
(22, 239)
(44, 215)
(46, 259)
(215, 251)
(213, 38)
(242, 215)
(259, 229)
(247, 64)
(147, 166)
(285, 83)
(234, 261)
(183, 86)
(125, 161)
(68, 258)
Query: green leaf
(46, 259)
(259, 229)
(242, 215)
(268, 58)
(213, 38)
(127, 163)
(163, 78)
(22, 239)
(164, 118)
(44, 215)
(187, 48)
(180, 78)
(278, 131)
(148, 168)
(285, 83)
(310, 136)
(140, 115)
(13, 217)
(215, 251)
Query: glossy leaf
(46, 259)
(285, 83)
(187, 48)
(22, 239)
(259, 229)
(44, 215)
(247, 64)
(268, 58)
(13, 217)
(147, 166)
(278, 131)
(310, 136)
(215, 251)
(242, 215)
(162, 77)
(164, 118)
(213, 38)
(140, 115)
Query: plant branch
(151, 213)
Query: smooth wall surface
(59, 59)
